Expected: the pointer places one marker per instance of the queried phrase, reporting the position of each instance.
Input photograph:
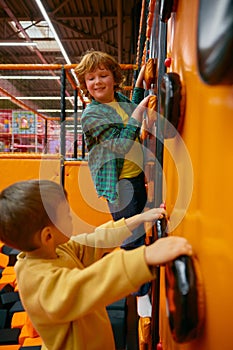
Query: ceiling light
(56, 37)
(46, 17)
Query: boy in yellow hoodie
(65, 281)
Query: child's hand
(147, 216)
(153, 214)
(140, 109)
(166, 249)
(140, 78)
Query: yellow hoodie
(66, 297)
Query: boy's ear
(45, 235)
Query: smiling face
(100, 84)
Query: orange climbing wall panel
(88, 210)
(18, 167)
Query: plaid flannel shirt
(108, 140)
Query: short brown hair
(26, 207)
(92, 60)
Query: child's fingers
(163, 205)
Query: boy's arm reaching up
(158, 253)
(147, 216)
(112, 234)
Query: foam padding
(3, 317)
(9, 336)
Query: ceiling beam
(89, 16)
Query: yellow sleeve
(107, 236)
(105, 281)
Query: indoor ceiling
(108, 25)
